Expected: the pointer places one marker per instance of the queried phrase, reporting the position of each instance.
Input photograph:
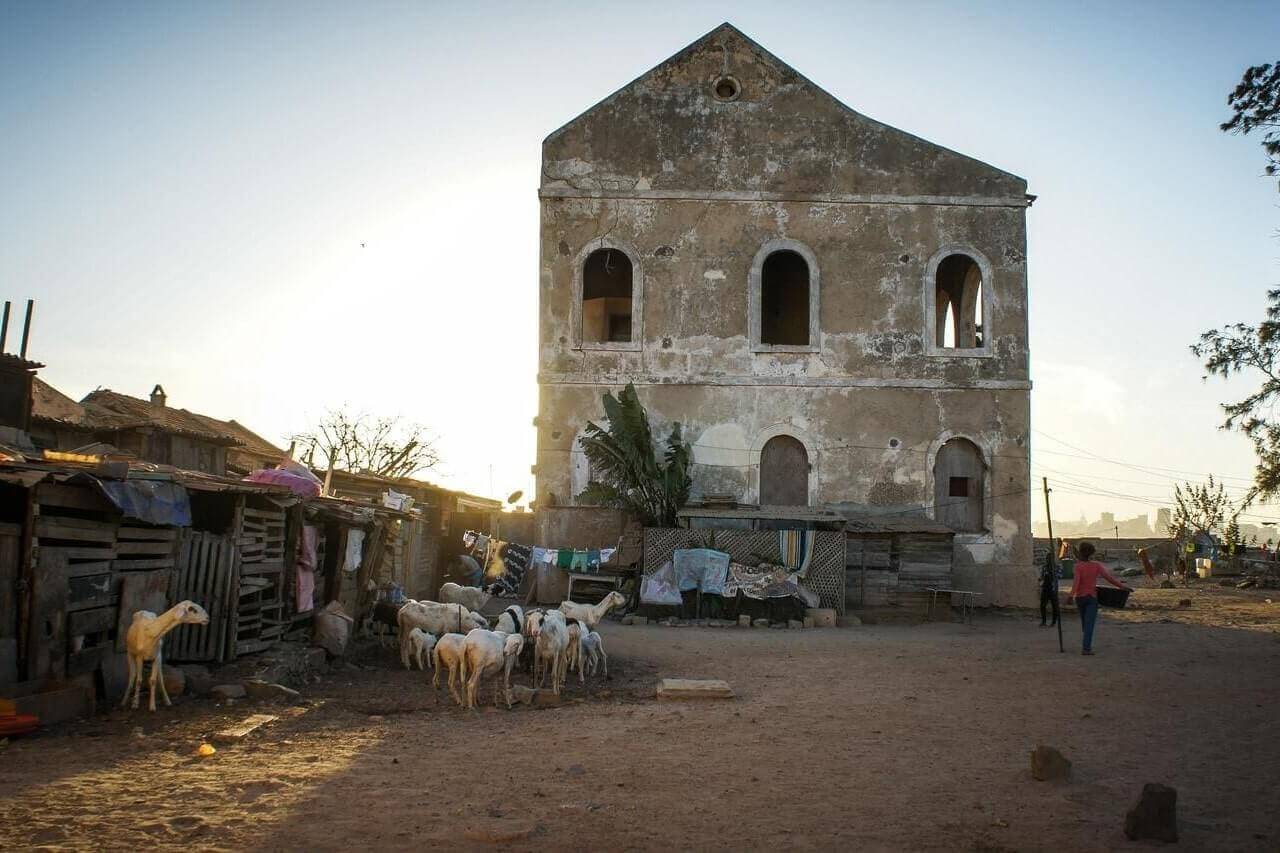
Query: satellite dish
(515, 496)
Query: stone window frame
(988, 506)
(758, 442)
(931, 347)
(755, 296)
(637, 297)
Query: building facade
(833, 309)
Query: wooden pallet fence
(206, 567)
(259, 583)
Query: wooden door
(784, 473)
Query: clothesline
(504, 564)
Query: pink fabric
(307, 547)
(299, 485)
(1084, 582)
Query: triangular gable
(781, 133)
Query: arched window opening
(958, 303)
(606, 297)
(784, 472)
(784, 300)
(958, 482)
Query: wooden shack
(84, 546)
(890, 560)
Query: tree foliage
(626, 471)
(1203, 510)
(1251, 350)
(1255, 105)
(364, 444)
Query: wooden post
(1053, 556)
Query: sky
(277, 209)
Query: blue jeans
(1088, 608)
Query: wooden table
(615, 580)
(966, 601)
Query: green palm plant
(625, 469)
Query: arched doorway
(784, 472)
(958, 479)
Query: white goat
(551, 649)
(573, 652)
(422, 644)
(472, 596)
(448, 654)
(483, 656)
(511, 650)
(511, 620)
(144, 640)
(591, 614)
(532, 626)
(593, 650)
(434, 618)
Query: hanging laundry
(515, 562)
(493, 565)
(564, 559)
(796, 546)
(355, 550)
(701, 568)
(308, 545)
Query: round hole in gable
(893, 442)
(726, 89)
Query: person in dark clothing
(1049, 575)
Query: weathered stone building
(834, 309)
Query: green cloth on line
(564, 559)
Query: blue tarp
(149, 501)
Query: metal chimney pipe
(26, 328)
(4, 325)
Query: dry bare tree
(362, 443)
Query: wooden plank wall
(10, 562)
(881, 567)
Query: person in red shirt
(1084, 589)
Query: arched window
(959, 475)
(784, 472)
(784, 300)
(958, 303)
(606, 297)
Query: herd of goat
(452, 635)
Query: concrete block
(823, 617)
(687, 688)
(744, 621)
(808, 622)
(760, 623)
(794, 624)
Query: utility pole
(1053, 556)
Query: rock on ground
(228, 691)
(1049, 765)
(1155, 816)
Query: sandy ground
(893, 737)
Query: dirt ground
(878, 737)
